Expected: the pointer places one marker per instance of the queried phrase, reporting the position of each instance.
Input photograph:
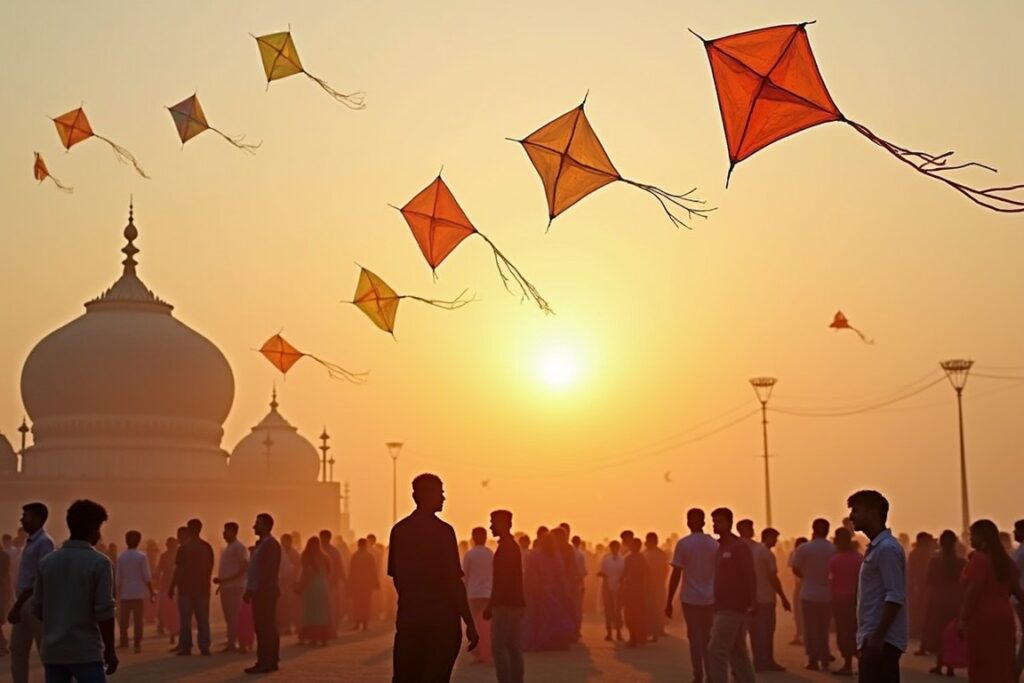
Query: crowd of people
(875, 592)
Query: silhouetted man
(693, 562)
(811, 565)
(27, 629)
(769, 589)
(74, 598)
(506, 605)
(134, 585)
(423, 561)
(230, 580)
(735, 592)
(193, 567)
(261, 591)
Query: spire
(131, 233)
(273, 398)
(129, 290)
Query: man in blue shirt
(26, 628)
(882, 623)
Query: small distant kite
(283, 356)
(281, 59)
(486, 483)
(380, 303)
(839, 322)
(73, 127)
(190, 120)
(572, 163)
(769, 88)
(41, 173)
(668, 477)
(439, 225)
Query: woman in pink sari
(168, 619)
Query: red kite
(41, 173)
(439, 225)
(839, 322)
(190, 120)
(281, 59)
(73, 127)
(283, 356)
(380, 303)
(769, 87)
(572, 163)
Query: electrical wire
(856, 411)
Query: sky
(576, 416)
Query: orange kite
(190, 120)
(41, 173)
(572, 163)
(73, 127)
(281, 59)
(439, 225)
(380, 303)
(839, 322)
(283, 356)
(769, 87)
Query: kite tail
(457, 302)
(237, 141)
(509, 273)
(61, 186)
(1000, 199)
(337, 372)
(354, 100)
(124, 156)
(694, 208)
(863, 338)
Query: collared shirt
(132, 575)
(766, 568)
(263, 575)
(232, 561)
(193, 567)
(812, 559)
(73, 593)
(423, 561)
(612, 567)
(37, 546)
(735, 581)
(478, 566)
(695, 556)
(507, 588)
(883, 578)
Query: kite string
(509, 273)
(694, 208)
(237, 141)
(448, 305)
(335, 371)
(354, 100)
(123, 155)
(933, 165)
(67, 189)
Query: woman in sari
(314, 589)
(550, 623)
(363, 581)
(168, 619)
(945, 595)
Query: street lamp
(956, 371)
(763, 387)
(394, 450)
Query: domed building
(127, 404)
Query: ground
(366, 658)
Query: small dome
(274, 449)
(8, 458)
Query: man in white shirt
(612, 566)
(27, 627)
(134, 585)
(762, 635)
(811, 564)
(231, 572)
(478, 568)
(693, 562)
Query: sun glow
(559, 366)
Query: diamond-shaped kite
(41, 173)
(572, 163)
(73, 127)
(769, 87)
(379, 302)
(283, 356)
(281, 59)
(439, 225)
(839, 322)
(190, 120)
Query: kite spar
(283, 356)
(190, 121)
(379, 301)
(281, 59)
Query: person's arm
(751, 577)
(458, 592)
(103, 612)
(970, 602)
(780, 591)
(673, 585)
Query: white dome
(287, 456)
(8, 458)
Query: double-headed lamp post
(956, 371)
(394, 450)
(763, 387)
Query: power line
(862, 409)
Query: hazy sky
(664, 326)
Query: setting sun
(559, 366)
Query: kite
(439, 224)
(281, 59)
(572, 163)
(839, 322)
(769, 88)
(41, 173)
(485, 483)
(73, 127)
(668, 477)
(283, 356)
(190, 121)
(380, 303)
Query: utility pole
(956, 371)
(394, 450)
(763, 387)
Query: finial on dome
(273, 398)
(131, 233)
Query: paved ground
(365, 658)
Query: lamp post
(956, 371)
(324, 438)
(763, 387)
(394, 450)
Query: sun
(559, 366)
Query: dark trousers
(130, 609)
(264, 619)
(698, 632)
(816, 622)
(845, 612)
(507, 643)
(880, 668)
(426, 654)
(761, 625)
(90, 672)
(198, 605)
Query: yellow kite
(379, 302)
(281, 59)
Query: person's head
(559, 536)
(195, 527)
(799, 542)
(501, 523)
(820, 528)
(312, 554)
(721, 521)
(33, 517)
(577, 542)
(614, 548)
(84, 521)
(132, 539)
(428, 492)
(325, 537)
(843, 540)
(1018, 531)
(286, 542)
(541, 532)
(869, 511)
(695, 519)
(635, 545)
(565, 527)
(546, 544)
(479, 536)
(371, 540)
(361, 544)
(924, 540)
(769, 537)
(627, 539)
(171, 543)
(182, 534)
(230, 531)
(651, 540)
(263, 525)
(985, 538)
(948, 542)
(524, 542)
(6, 540)
(745, 528)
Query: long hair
(948, 554)
(313, 558)
(986, 530)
